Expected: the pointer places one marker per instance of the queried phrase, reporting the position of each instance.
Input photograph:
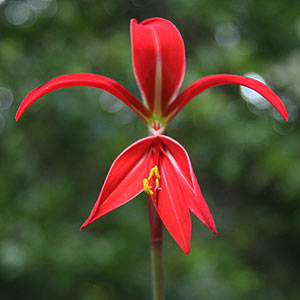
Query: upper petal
(85, 79)
(124, 180)
(158, 60)
(214, 80)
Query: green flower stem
(156, 243)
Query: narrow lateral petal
(85, 79)
(199, 207)
(171, 205)
(214, 80)
(124, 180)
(158, 60)
(194, 198)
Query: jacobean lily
(157, 165)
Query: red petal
(181, 158)
(172, 207)
(183, 167)
(85, 79)
(199, 207)
(158, 60)
(214, 80)
(124, 180)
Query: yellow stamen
(147, 187)
(153, 172)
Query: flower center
(157, 125)
(146, 182)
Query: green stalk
(156, 243)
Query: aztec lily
(157, 165)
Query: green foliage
(54, 161)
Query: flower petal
(214, 80)
(85, 79)
(194, 198)
(124, 180)
(171, 205)
(199, 207)
(158, 60)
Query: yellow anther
(151, 173)
(147, 187)
(156, 172)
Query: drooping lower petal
(214, 80)
(85, 79)
(194, 198)
(124, 180)
(172, 207)
(199, 207)
(158, 60)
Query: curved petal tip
(85, 225)
(285, 115)
(186, 252)
(18, 114)
(214, 80)
(85, 79)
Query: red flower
(158, 165)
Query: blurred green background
(54, 161)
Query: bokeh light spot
(124, 116)
(12, 255)
(227, 35)
(17, 13)
(6, 98)
(39, 5)
(110, 103)
(253, 97)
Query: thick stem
(156, 252)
